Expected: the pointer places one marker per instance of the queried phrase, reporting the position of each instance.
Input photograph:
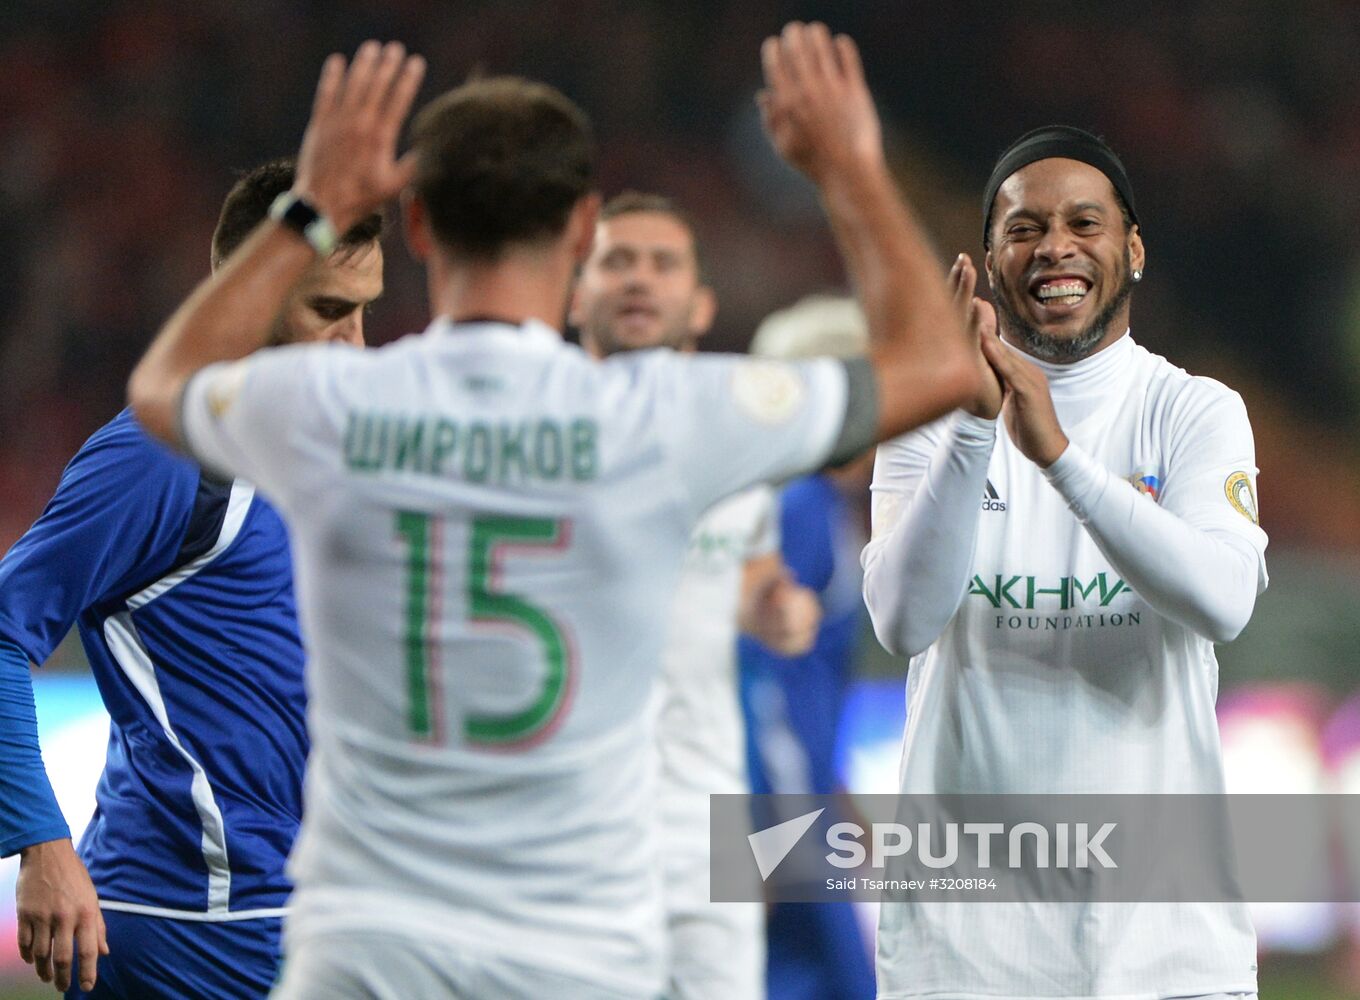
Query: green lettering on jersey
(445, 444)
(584, 433)
(548, 449)
(489, 603)
(513, 453)
(359, 436)
(1032, 590)
(422, 563)
(478, 452)
(1107, 593)
(409, 451)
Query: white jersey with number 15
(488, 527)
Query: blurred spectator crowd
(121, 124)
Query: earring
(1137, 275)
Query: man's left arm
(1198, 555)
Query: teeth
(1066, 292)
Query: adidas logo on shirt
(991, 500)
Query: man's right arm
(56, 902)
(821, 118)
(927, 489)
(116, 520)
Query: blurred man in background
(1113, 467)
(642, 287)
(794, 703)
(489, 524)
(181, 588)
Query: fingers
(820, 51)
(772, 63)
(401, 93)
(998, 356)
(390, 62)
(848, 53)
(405, 85)
(962, 282)
(1018, 375)
(382, 81)
(793, 56)
(41, 949)
(982, 318)
(809, 52)
(332, 75)
(359, 79)
(62, 951)
(90, 944)
(26, 939)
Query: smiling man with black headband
(1059, 560)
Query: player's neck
(520, 286)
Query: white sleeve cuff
(969, 429)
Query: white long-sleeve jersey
(487, 529)
(1061, 625)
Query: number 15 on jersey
(490, 608)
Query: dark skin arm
(821, 118)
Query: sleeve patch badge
(768, 391)
(1147, 483)
(1240, 495)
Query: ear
(581, 226)
(416, 226)
(987, 266)
(1137, 256)
(575, 315)
(702, 311)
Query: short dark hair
(501, 161)
(248, 203)
(633, 202)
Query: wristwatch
(298, 214)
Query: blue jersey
(793, 710)
(793, 704)
(181, 587)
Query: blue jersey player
(181, 588)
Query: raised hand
(57, 905)
(348, 166)
(981, 320)
(1028, 410)
(816, 106)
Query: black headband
(1047, 143)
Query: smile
(1064, 291)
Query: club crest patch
(1148, 484)
(768, 391)
(1240, 495)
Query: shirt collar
(531, 334)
